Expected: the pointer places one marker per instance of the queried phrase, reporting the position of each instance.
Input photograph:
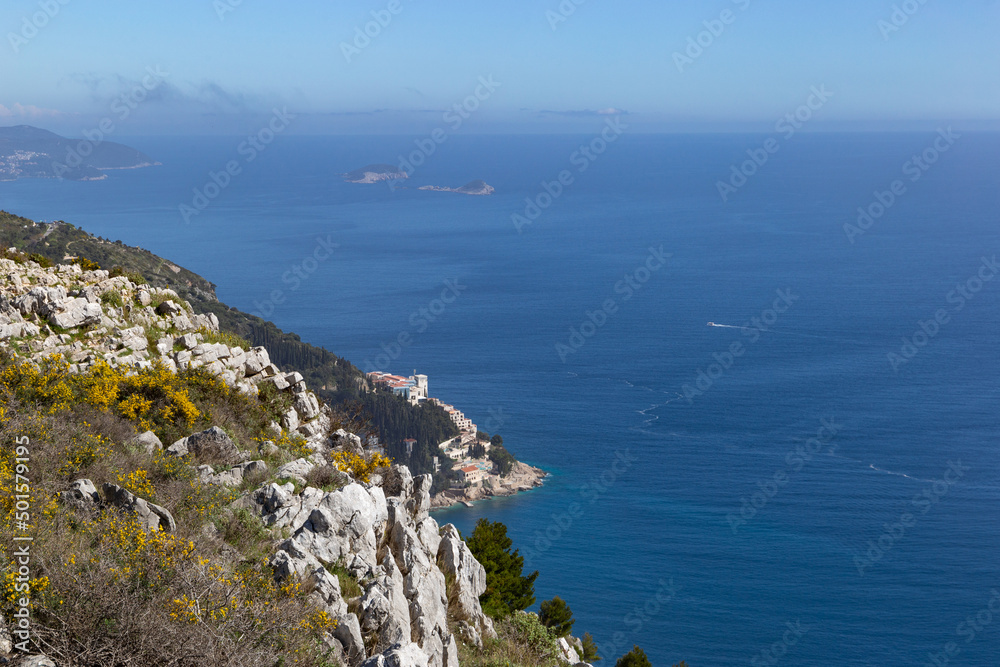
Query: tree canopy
(556, 615)
(634, 658)
(507, 590)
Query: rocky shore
(522, 478)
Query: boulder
(343, 524)
(398, 481)
(290, 561)
(348, 633)
(235, 475)
(181, 322)
(188, 341)
(169, 308)
(399, 655)
(82, 493)
(77, 312)
(279, 382)
(150, 516)
(134, 338)
(297, 470)
(280, 507)
(256, 361)
(148, 442)
(307, 405)
(326, 589)
(211, 444)
(290, 420)
(36, 661)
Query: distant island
(375, 173)
(31, 152)
(471, 188)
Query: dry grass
(107, 593)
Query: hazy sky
(225, 64)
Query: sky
(218, 66)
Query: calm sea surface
(688, 510)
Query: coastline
(522, 478)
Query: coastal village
(476, 477)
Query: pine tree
(556, 615)
(634, 658)
(507, 590)
(590, 649)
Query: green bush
(41, 260)
(534, 634)
(134, 276)
(225, 337)
(112, 298)
(246, 533)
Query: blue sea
(800, 486)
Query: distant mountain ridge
(31, 152)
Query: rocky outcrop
(401, 655)
(522, 477)
(408, 577)
(235, 476)
(385, 538)
(469, 577)
(569, 653)
(89, 316)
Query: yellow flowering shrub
(249, 591)
(83, 451)
(360, 467)
(155, 396)
(10, 594)
(100, 385)
(47, 384)
(137, 482)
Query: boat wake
(897, 474)
(791, 333)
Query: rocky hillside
(334, 379)
(259, 536)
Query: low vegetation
(103, 590)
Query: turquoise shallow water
(639, 526)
